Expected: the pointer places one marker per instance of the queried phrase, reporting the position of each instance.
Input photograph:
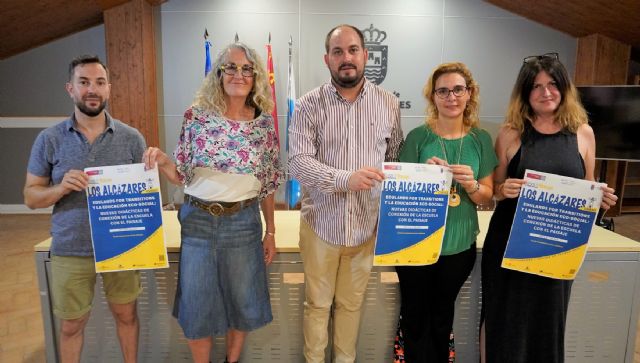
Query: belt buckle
(215, 209)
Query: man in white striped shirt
(340, 134)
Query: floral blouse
(238, 147)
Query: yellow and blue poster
(125, 213)
(552, 225)
(413, 212)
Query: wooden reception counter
(601, 325)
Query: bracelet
(476, 187)
(270, 233)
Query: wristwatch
(476, 187)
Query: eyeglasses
(232, 69)
(457, 91)
(530, 58)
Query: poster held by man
(125, 214)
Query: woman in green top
(450, 136)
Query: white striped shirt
(329, 139)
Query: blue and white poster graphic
(125, 212)
(552, 225)
(413, 212)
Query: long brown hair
(570, 114)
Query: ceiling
(616, 19)
(28, 24)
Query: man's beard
(91, 112)
(347, 81)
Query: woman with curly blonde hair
(227, 158)
(211, 95)
(449, 137)
(546, 129)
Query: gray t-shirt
(61, 148)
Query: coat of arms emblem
(376, 68)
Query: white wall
(420, 35)
(32, 96)
(32, 82)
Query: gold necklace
(454, 197)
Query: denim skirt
(222, 283)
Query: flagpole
(272, 83)
(207, 51)
(292, 191)
(290, 92)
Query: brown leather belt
(220, 208)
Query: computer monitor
(614, 115)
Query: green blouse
(477, 152)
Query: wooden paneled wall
(131, 57)
(601, 61)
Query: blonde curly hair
(210, 96)
(470, 116)
(570, 114)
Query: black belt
(220, 208)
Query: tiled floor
(21, 331)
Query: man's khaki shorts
(73, 281)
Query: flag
(292, 193)
(272, 83)
(207, 52)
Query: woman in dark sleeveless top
(546, 129)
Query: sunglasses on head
(530, 58)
